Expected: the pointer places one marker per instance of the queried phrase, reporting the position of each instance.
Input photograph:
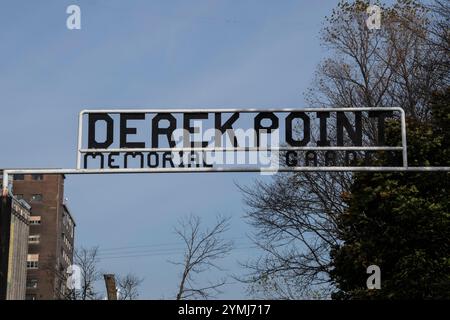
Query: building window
(34, 239)
(32, 264)
(66, 258)
(19, 196)
(33, 261)
(37, 177)
(32, 284)
(18, 177)
(30, 297)
(36, 197)
(35, 220)
(67, 242)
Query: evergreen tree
(400, 221)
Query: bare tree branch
(87, 260)
(128, 286)
(295, 214)
(202, 250)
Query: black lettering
(111, 160)
(354, 132)
(330, 158)
(259, 127)
(394, 158)
(94, 155)
(125, 131)
(181, 155)
(291, 158)
(369, 157)
(226, 127)
(154, 164)
(351, 158)
(381, 115)
(306, 129)
(189, 130)
(311, 156)
(92, 142)
(194, 160)
(205, 161)
(323, 141)
(134, 155)
(157, 130)
(167, 157)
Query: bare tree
(295, 214)
(87, 261)
(295, 218)
(391, 67)
(202, 250)
(437, 35)
(440, 31)
(56, 276)
(128, 286)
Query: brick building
(51, 236)
(14, 229)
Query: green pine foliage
(400, 221)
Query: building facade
(51, 235)
(14, 231)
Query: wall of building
(18, 252)
(14, 230)
(45, 193)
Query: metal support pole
(404, 143)
(223, 170)
(80, 139)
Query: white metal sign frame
(81, 150)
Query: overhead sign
(236, 139)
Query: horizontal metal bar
(236, 169)
(241, 110)
(242, 149)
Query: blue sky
(152, 54)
